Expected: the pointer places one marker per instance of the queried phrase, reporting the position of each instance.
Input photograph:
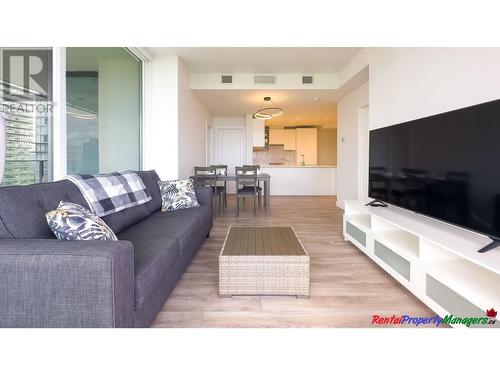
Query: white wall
(410, 83)
(228, 122)
(348, 110)
(245, 81)
(160, 134)
(192, 132)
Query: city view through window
(26, 106)
(103, 110)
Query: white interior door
(364, 142)
(230, 150)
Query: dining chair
(221, 170)
(259, 188)
(207, 177)
(246, 186)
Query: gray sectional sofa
(45, 282)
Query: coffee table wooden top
(261, 241)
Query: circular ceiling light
(268, 112)
(261, 116)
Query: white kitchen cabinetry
(258, 131)
(285, 137)
(276, 136)
(307, 145)
(289, 139)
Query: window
(26, 105)
(103, 94)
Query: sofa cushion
(121, 220)
(154, 254)
(71, 222)
(187, 225)
(160, 241)
(23, 208)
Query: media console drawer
(395, 261)
(356, 233)
(449, 299)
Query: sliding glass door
(103, 112)
(26, 107)
(103, 94)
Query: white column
(59, 159)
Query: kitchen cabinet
(307, 145)
(276, 136)
(258, 133)
(289, 139)
(285, 137)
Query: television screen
(445, 166)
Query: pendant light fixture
(268, 112)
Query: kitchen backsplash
(274, 154)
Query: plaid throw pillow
(177, 195)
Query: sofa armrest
(204, 195)
(54, 283)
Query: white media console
(436, 261)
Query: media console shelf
(436, 261)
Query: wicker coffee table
(263, 261)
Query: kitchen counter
(296, 166)
(302, 179)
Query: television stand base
(376, 203)
(495, 242)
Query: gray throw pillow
(70, 221)
(177, 195)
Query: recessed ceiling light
(315, 98)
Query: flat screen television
(445, 166)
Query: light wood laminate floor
(347, 288)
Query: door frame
(363, 151)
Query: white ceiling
(302, 107)
(261, 59)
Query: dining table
(264, 177)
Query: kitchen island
(289, 179)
